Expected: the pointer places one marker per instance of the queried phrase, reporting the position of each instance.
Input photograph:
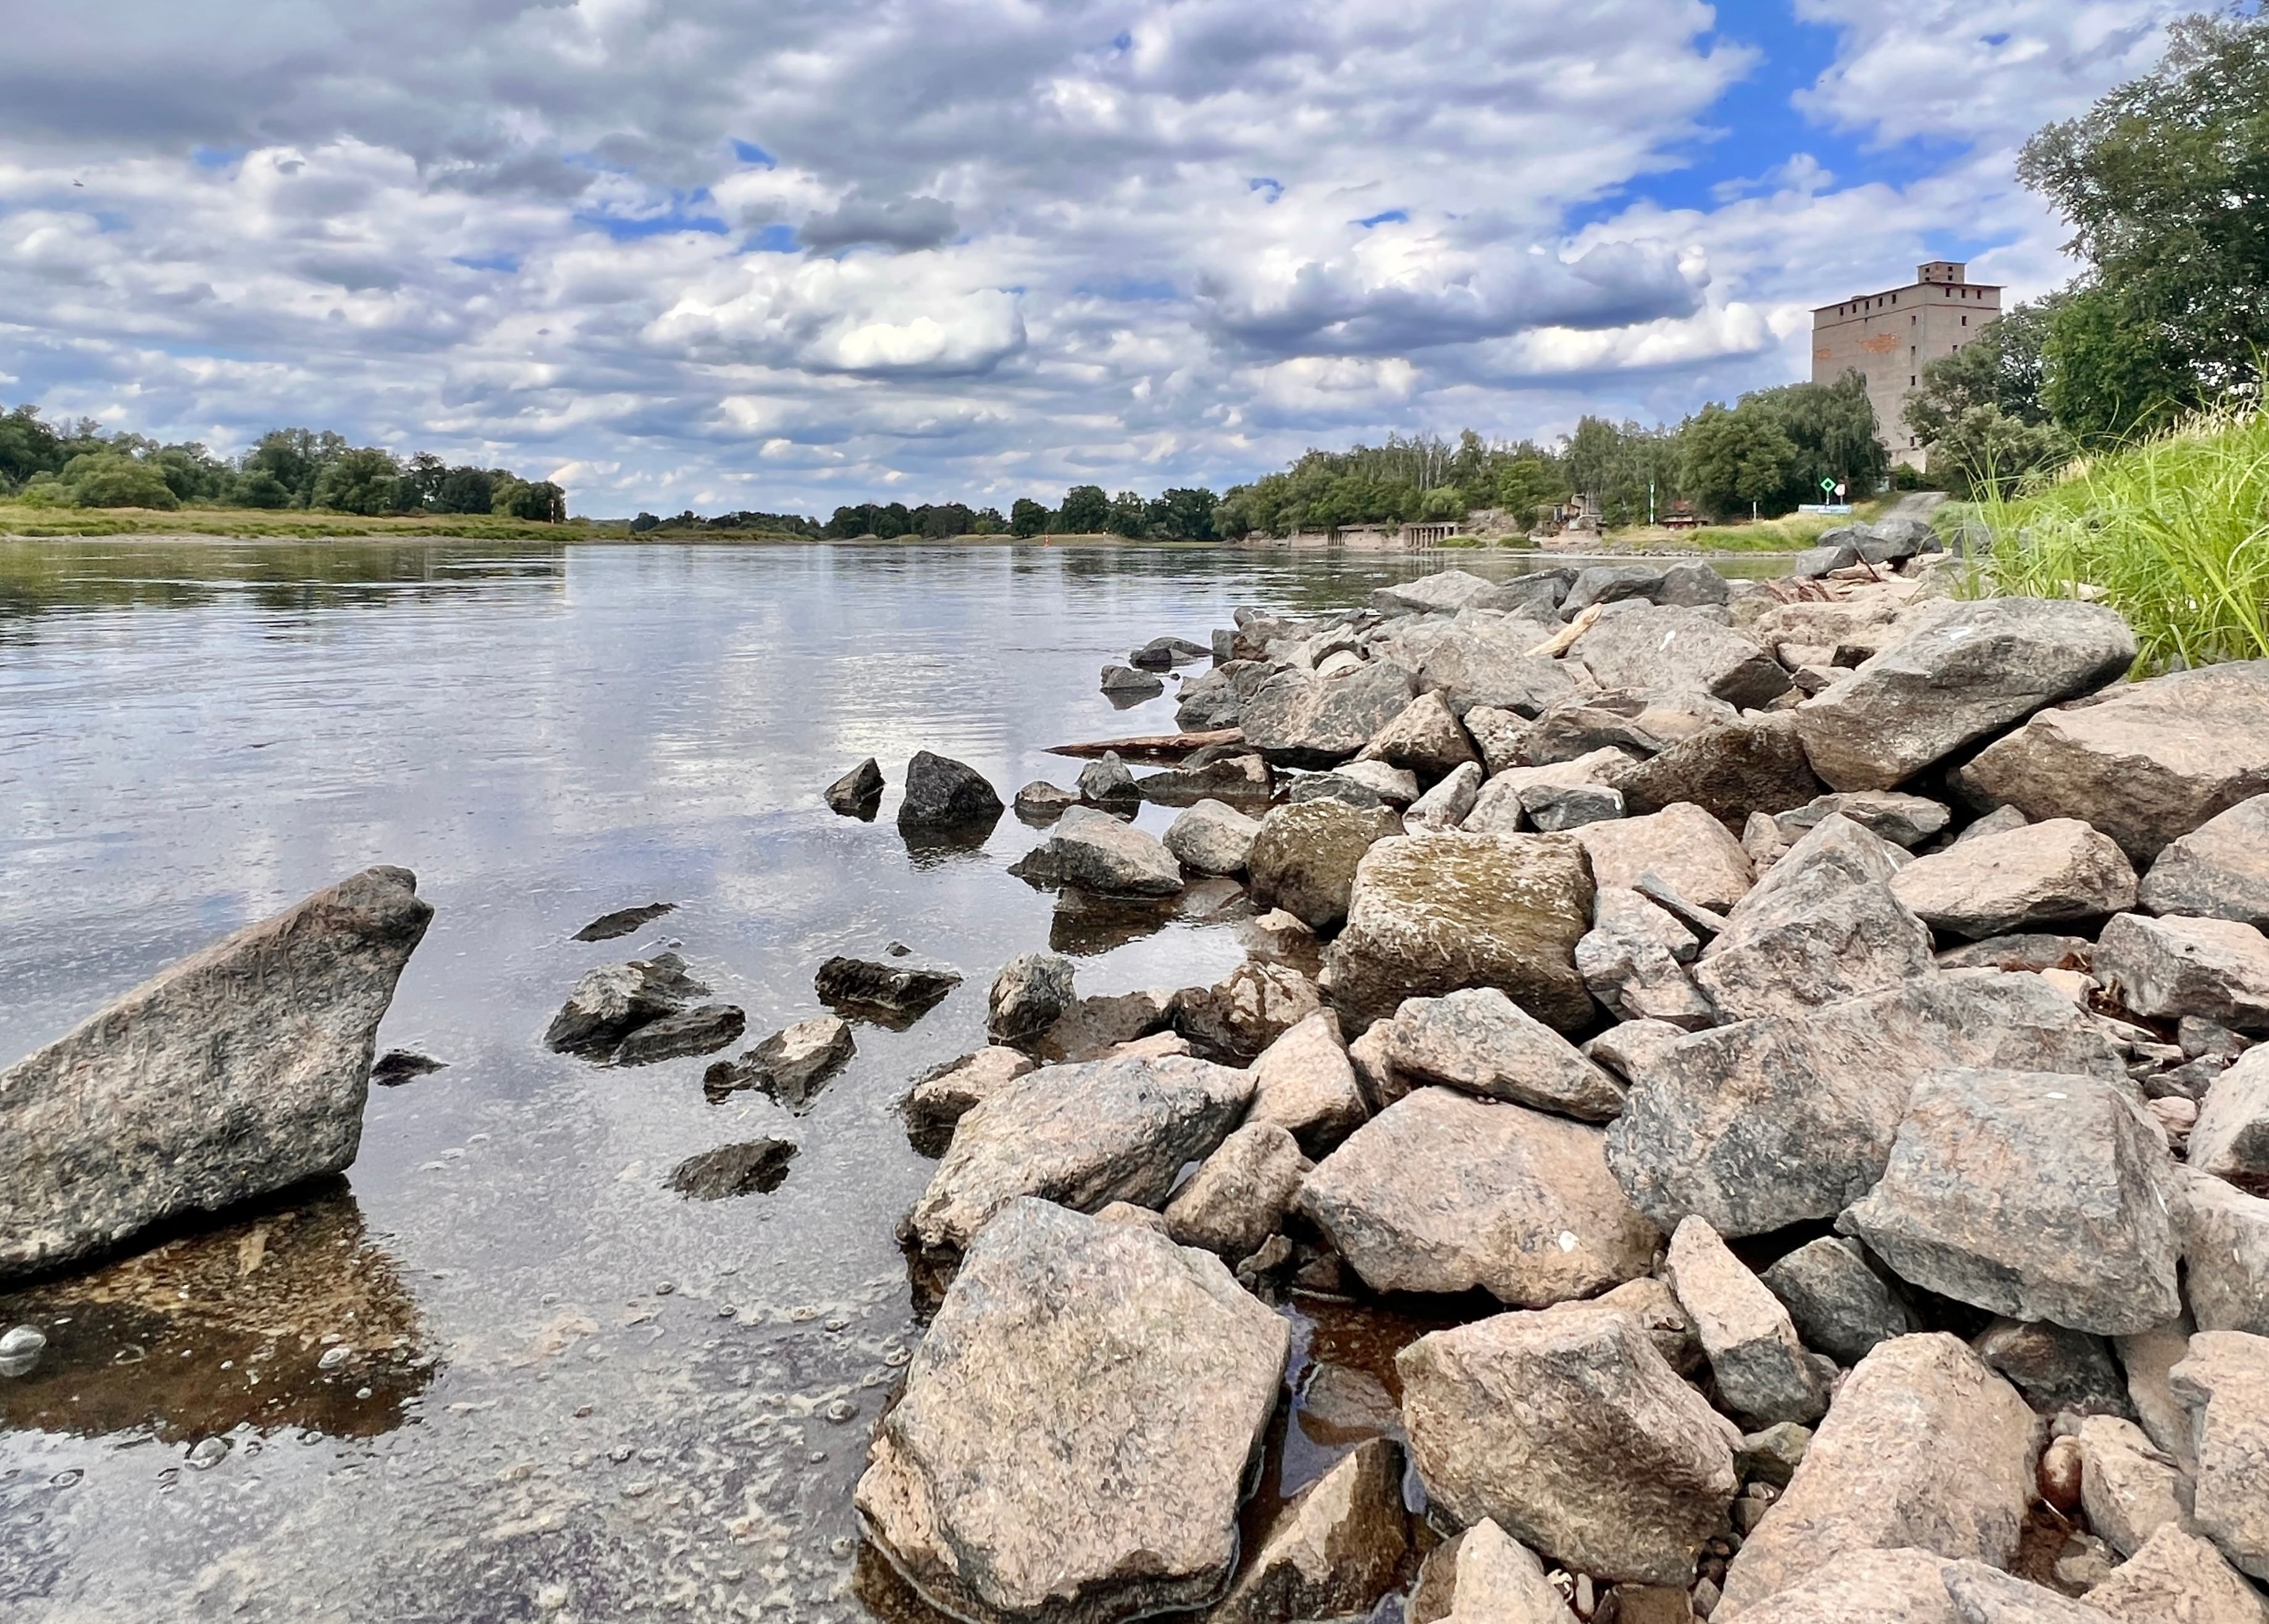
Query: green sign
(1828, 485)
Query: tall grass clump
(2172, 531)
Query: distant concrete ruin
(1889, 337)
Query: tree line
(78, 465)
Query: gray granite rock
(1394, 786)
(1755, 765)
(944, 1095)
(1305, 1083)
(1610, 583)
(2224, 1383)
(1126, 683)
(1680, 649)
(2178, 1578)
(1761, 1369)
(2041, 874)
(894, 992)
(1479, 1041)
(2219, 870)
(1239, 1015)
(1213, 837)
(1107, 782)
(1444, 592)
(2216, 970)
(1489, 668)
(1096, 852)
(1904, 1586)
(2129, 1489)
(697, 1030)
(1496, 807)
(1902, 819)
(1633, 960)
(1640, 721)
(1984, 1594)
(1424, 738)
(1300, 719)
(606, 1005)
(1484, 1573)
(2225, 1254)
(1551, 808)
(945, 794)
(1304, 858)
(1240, 1194)
(1838, 1303)
(2057, 1368)
(1029, 995)
(1448, 803)
(856, 793)
(1683, 843)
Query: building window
(1911, 383)
(1965, 321)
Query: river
(565, 1392)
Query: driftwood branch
(1151, 744)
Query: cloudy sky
(788, 254)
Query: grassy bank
(2173, 532)
(254, 524)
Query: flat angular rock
(1432, 913)
(757, 1167)
(1755, 765)
(1094, 1025)
(697, 1030)
(608, 1004)
(1550, 808)
(1029, 995)
(1213, 837)
(1243, 778)
(1240, 1194)
(1395, 786)
(791, 1066)
(1870, 1587)
(1783, 1120)
(2224, 1384)
(1305, 1083)
(1814, 562)
(1477, 668)
(1164, 653)
(623, 921)
(1443, 1192)
(1479, 1042)
(2041, 874)
(1334, 1551)
(1298, 718)
(893, 991)
(1822, 926)
(1610, 583)
(1304, 858)
(2130, 1490)
(1096, 852)
(2033, 1194)
(1640, 721)
(2216, 970)
(1125, 683)
(1444, 592)
(1151, 1374)
(1245, 1011)
(2218, 871)
(1485, 1573)
(1446, 805)
(1633, 960)
(1924, 1449)
(238, 1071)
(1980, 668)
(1501, 735)
(1680, 649)
(1569, 1432)
(856, 793)
(2226, 1254)
(1083, 1136)
(1902, 819)
(2177, 1578)
(1762, 1372)
(942, 793)
(950, 1092)
(1683, 843)
(2147, 763)
(1984, 1594)
(1630, 1046)
(1425, 738)
(1838, 1303)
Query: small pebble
(334, 1357)
(842, 1410)
(20, 1350)
(208, 1453)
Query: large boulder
(2224, 1386)
(1305, 856)
(1822, 926)
(1150, 1374)
(1444, 592)
(1333, 1551)
(1083, 1136)
(1424, 739)
(1788, 1119)
(1568, 1431)
(2230, 1138)
(1610, 583)
(1764, 1375)
(2214, 969)
(1978, 669)
(1924, 1449)
(1095, 851)
(238, 1071)
(1756, 764)
(1213, 837)
(1298, 719)
(948, 796)
(2219, 871)
(2033, 1194)
(1481, 1042)
(1305, 1083)
(1442, 1192)
(1683, 649)
(1432, 913)
(1683, 843)
(2040, 875)
(1476, 667)
(2147, 765)
(2177, 1578)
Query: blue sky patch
(1386, 216)
(750, 152)
(508, 263)
(774, 239)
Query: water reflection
(292, 1317)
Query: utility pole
(1650, 501)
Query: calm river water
(501, 1372)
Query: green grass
(254, 524)
(2173, 532)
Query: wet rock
(1569, 1432)
(699, 1031)
(1043, 802)
(1094, 1025)
(2177, 1578)
(1640, 721)
(1762, 1372)
(2033, 1194)
(1245, 1011)
(1106, 781)
(1304, 858)
(2216, 970)
(1443, 1192)
(1097, 853)
(1084, 1136)
(607, 1005)
(398, 1066)
(1484, 1574)
(1305, 1083)
(1296, 719)
(2043, 873)
(756, 1168)
(1924, 1448)
(1164, 653)
(1683, 843)
(1447, 804)
(2223, 1383)
(1755, 765)
(1902, 819)
(1980, 667)
(270, 1032)
(1430, 914)
(623, 921)
(1334, 1551)
(1151, 1374)
(2056, 1368)
(1823, 924)
(950, 1092)
(1683, 650)
(2226, 1254)
(1784, 1120)
(2130, 1490)
(1631, 960)
(942, 793)
(857, 793)
(1125, 683)
(1244, 779)
(2147, 763)
(1029, 995)
(1424, 739)
(892, 991)
(2219, 871)
(1838, 1303)
(1869, 1587)
(1610, 583)
(1479, 1041)
(1240, 1193)
(1212, 837)
(1393, 787)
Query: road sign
(1828, 485)
(1839, 489)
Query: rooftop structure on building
(1889, 337)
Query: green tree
(1028, 518)
(466, 491)
(2110, 375)
(1733, 458)
(361, 481)
(293, 458)
(1183, 515)
(110, 479)
(1086, 511)
(27, 446)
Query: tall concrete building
(1889, 337)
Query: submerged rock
(892, 991)
(690, 1031)
(859, 792)
(757, 1167)
(607, 1005)
(623, 921)
(269, 1032)
(1152, 1376)
(398, 1066)
(791, 1066)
